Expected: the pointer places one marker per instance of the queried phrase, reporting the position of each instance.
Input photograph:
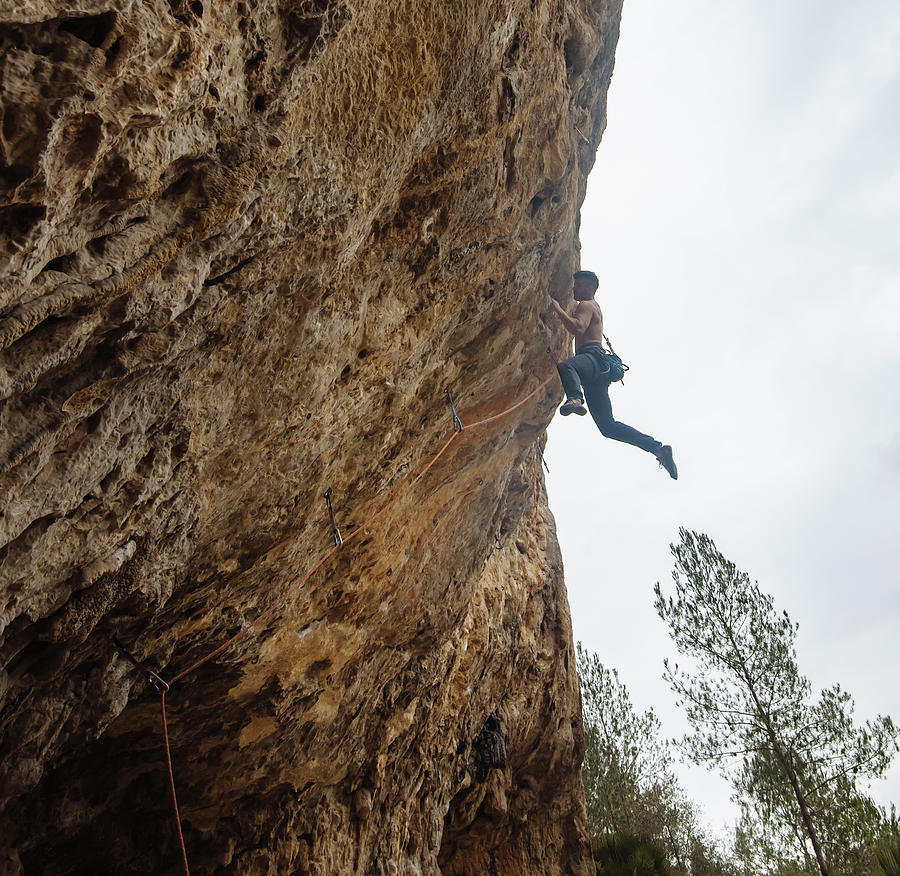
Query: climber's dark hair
(587, 275)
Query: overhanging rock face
(245, 248)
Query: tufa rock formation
(245, 247)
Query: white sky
(744, 219)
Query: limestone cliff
(245, 248)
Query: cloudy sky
(744, 219)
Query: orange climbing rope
(299, 583)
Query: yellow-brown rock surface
(245, 247)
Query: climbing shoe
(664, 456)
(573, 406)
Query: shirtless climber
(588, 371)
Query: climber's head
(584, 285)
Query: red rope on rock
(518, 404)
(294, 587)
(184, 857)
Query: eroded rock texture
(245, 247)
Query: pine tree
(795, 764)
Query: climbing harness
(615, 368)
(335, 532)
(614, 365)
(282, 600)
(152, 678)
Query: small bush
(628, 855)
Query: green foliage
(760, 853)
(625, 854)
(623, 757)
(630, 788)
(795, 763)
(887, 854)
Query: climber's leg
(597, 396)
(575, 372)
